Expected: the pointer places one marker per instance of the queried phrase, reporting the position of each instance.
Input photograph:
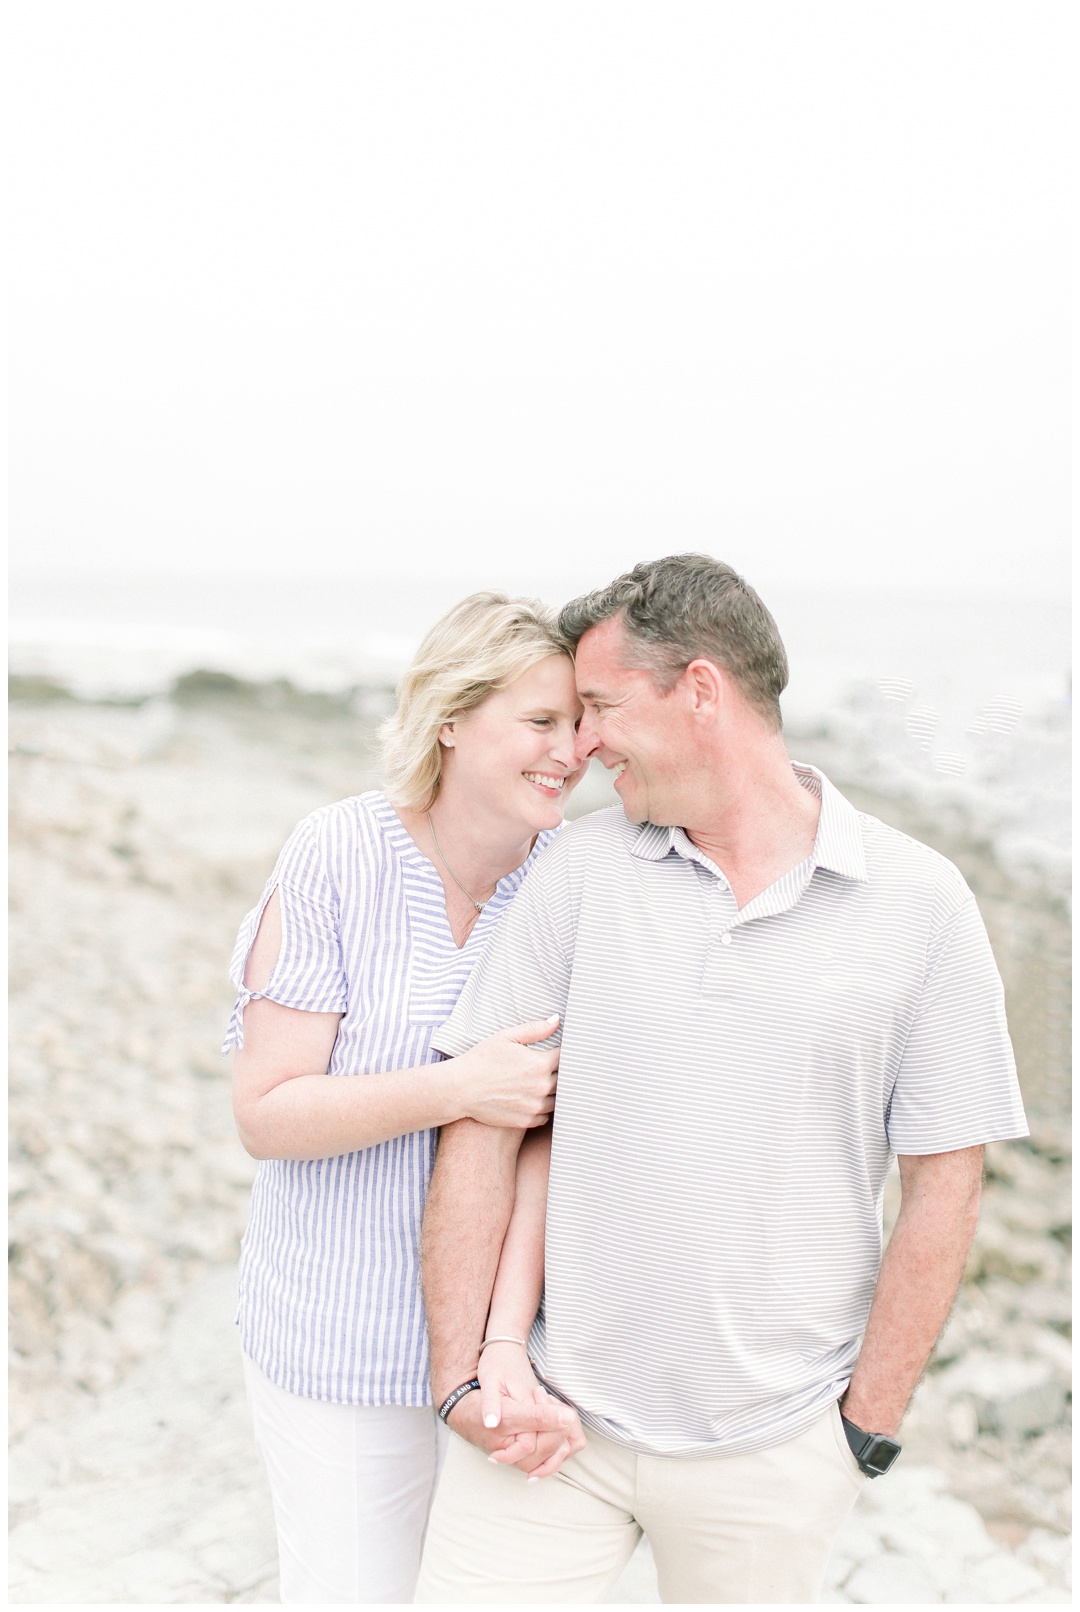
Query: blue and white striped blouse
(330, 1299)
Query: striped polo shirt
(330, 1300)
(732, 1086)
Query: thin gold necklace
(479, 905)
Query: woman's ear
(446, 735)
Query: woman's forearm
(322, 1116)
(520, 1278)
(287, 1106)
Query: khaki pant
(740, 1528)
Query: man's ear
(706, 688)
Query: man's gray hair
(690, 607)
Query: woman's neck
(473, 845)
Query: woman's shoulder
(344, 814)
(355, 826)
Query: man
(764, 995)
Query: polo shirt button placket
(725, 940)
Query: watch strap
(874, 1452)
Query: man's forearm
(468, 1209)
(919, 1276)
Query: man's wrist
(445, 1382)
(867, 1417)
(455, 1397)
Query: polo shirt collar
(838, 845)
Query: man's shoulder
(899, 859)
(584, 846)
(608, 826)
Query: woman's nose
(564, 746)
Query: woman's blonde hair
(484, 643)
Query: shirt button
(725, 940)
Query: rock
(157, 1575)
(858, 1539)
(1050, 1305)
(1050, 1553)
(889, 1580)
(1017, 1255)
(54, 1542)
(903, 1488)
(962, 1423)
(1055, 1349)
(1012, 1397)
(138, 1319)
(943, 1532)
(995, 1580)
(29, 1475)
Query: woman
(369, 926)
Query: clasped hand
(514, 1418)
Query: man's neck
(759, 824)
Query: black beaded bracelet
(459, 1393)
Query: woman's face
(515, 755)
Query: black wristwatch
(875, 1452)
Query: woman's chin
(545, 814)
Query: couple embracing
(658, 1303)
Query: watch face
(879, 1454)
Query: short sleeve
(956, 1085)
(309, 972)
(524, 972)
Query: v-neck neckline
(418, 864)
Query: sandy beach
(140, 836)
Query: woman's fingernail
(531, 1479)
(490, 1420)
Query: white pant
(351, 1487)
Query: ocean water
(959, 699)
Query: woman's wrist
(454, 1104)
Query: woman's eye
(541, 722)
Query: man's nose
(588, 742)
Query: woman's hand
(507, 1381)
(506, 1080)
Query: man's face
(634, 729)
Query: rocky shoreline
(141, 834)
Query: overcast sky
(336, 288)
